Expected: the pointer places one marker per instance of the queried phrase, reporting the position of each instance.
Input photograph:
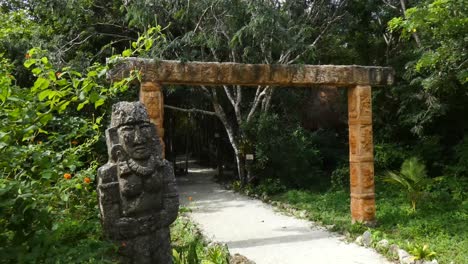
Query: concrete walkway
(253, 229)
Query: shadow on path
(253, 229)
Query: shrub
(389, 156)
(189, 246)
(285, 153)
(422, 252)
(48, 202)
(340, 178)
(412, 178)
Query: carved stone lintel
(138, 197)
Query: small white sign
(249, 156)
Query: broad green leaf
(46, 118)
(127, 53)
(102, 72)
(93, 97)
(63, 107)
(36, 71)
(42, 95)
(29, 63)
(80, 106)
(99, 103)
(92, 73)
(40, 84)
(148, 44)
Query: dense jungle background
(55, 100)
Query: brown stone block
(312, 74)
(252, 74)
(360, 75)
(365, 101)
(330, 74)
(176, 72)
(360, 104)
(194, 72)
(280, 74)
(367, 176)
(362, 178)
(298, 74)
(346, 75)
(365, 140)
(352, 103)
(363, 210)
(226, 74)
(353, 140)
(360, 143)
(354, 172)
(149, 87)
(209, 72)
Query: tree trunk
(240, 166)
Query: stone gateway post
(357, 79)
(138, 197)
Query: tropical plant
(412, 178)
(422, 252)
(48, 155)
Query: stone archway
(358, 80)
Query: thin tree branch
(229, 95)
(261, 92)
(191, 110)
(414, 34)
(200, 20)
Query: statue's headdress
(128, 113)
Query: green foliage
(340, 178)
(433, 92)
(48, 155)
(270, 186)
(189, 246)
(412, 179)
(389, 156)
(440, 224)
(422, 252)
(285, 153)
(440, 23)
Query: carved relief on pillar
(363, 210)
(362, 177)
(151, 97)
(360, 142)
(366, 144)
(361, 154)
(360, 103)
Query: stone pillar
(361, 157)
(151, 97)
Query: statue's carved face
(136, 140)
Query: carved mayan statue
(138, 197)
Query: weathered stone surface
(383, 244)
(393, 250)
(367, 238)
(404, 257)
(137, 192)
(358, 79)
(361, 155)
(152, 98)
(214, 73)
(239, 259)
(359, 241)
